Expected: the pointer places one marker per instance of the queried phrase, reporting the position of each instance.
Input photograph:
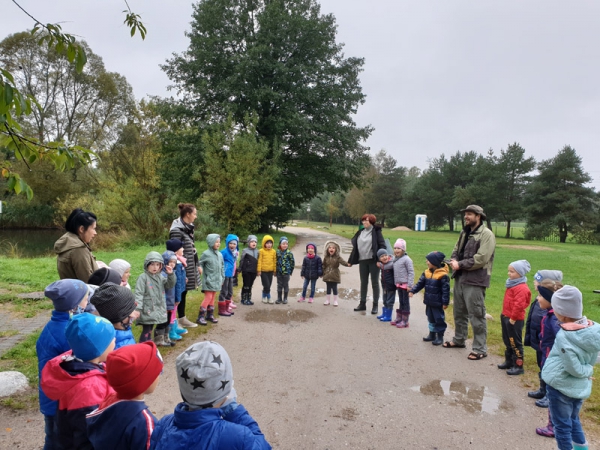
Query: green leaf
(29, 192)
(8, 94)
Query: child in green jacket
(212, 269)
(150, 299)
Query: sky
(440, 76)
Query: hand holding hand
(445, 306)
(410, 294)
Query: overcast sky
(439, 75)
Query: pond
(28, 243)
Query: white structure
(421, 222)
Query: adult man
(471, 262)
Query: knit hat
(132, 369)
(120, 265)
(381, 252)
(251, 238)
(114, 302)
(204, 374)
(89, 335)
(400, 243)
(554, 275)
(174, 244)
(104, 275)
(66, 294)
(436, 258)
(522, 267)
(545, 293)
(568, 302)
(282, 239)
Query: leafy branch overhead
(17, 102)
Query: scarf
(512, 283)
(182, 260)
(309, 256)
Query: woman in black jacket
(365, 244)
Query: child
(331, 270)
(77, 378)
(176, 246)
(123, 268)
(404, 277)
(569, 368)
(123, 421)
(285, 268)
(230, 255)
(150, 298)
(170, 260)
(66, 295)
(209, 409)
(117, 305)
(267, 264)
(533, 328)
(249, 268)
(549, 327)
(312, 269)
(436, 282)
(516, 300)
(388, 285)
(213, 273)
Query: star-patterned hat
(204, 374)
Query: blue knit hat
(436, 258)
(89, 335)
(66, 294)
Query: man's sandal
(452, 344)
(474, 356)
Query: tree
(239, 176)
(355, 204)
(387, 188)
(558, 197)
(277, 60)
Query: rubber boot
(264, 298)
(542, 402)
(580, 446)
(168, 340)
(517, 369)
(541, 392)
(159, 338)
(223, 310)
(178, 329)
(201, 320)
(270, 300)
(439, 339)
(327, 298)
(279, 298)
(335, 300)
(285, 295)
(185, 322)
(388, 315)
(210, 315)
(548, 430)
(361, 307)
(228, 304)
(397, 319)
(508, 362)
(382, 315)
(173, 333)
(249, 301)
(374, 308)
(430, 337)
(405, 315)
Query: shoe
(173, 333)
(159, 338)
(184, 322)
(302, 299)
(271, 300)
(430, 337)
(310, 300)
(178, 329)
(168, 341)
(439, 339)
(542, 402)
(210, 315)
(374, 309)
(387, 317)
(361, 307)
(223, 310)
(508, 364)
(327, 298)
(201, 320)
(284, 301)
(398, 319)
(537, 394)
(547, 431)
(249, 301)
(279, 302)
(265, 299)
(517, 369)
(382, 315)
(405, 316)
(335, 300)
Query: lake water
(29, 243)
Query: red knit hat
(132, 369)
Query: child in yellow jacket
(267, 264)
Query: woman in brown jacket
(75, 259)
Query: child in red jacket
(77, 378)
(516, 300)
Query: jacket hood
(586, 337)
(314, 246)
(211, 239)
(336, 245)
(232, 237)
(266, 238)
(66, 242)
(167, 256)
(153, 257)
(441, 271)
(58, 382)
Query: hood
(66, 242)
(313, 244)
(232, 237)
(266, 238)
(586, 337)
(177, 225)
(152, 257)
(335, 244)
(167, 256)
(441, 271)
(58, 382)
(211, 239)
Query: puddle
(282, 316)
(343, 294)
(472, 398)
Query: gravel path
(321, 377)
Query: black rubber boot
(361, 307)
(210, 317)
(430, 337)
(439, 339)
(540, 393)
(201, 320)
(517, 368)
(508, 361)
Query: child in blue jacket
(209, 417)
(388, 284)
(67, 295)
(569, 368)
(117, 305)
(176, 246)
(230, 255)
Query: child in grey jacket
(404, 277)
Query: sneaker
(184, 322)
(265, 299)
(302, 299)
(335, 303)
(279, 301)
(310, 300)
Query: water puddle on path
(472, 398)
(282, 316)
(343, 294)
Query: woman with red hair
(365, 244)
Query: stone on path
(12, 382)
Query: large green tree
(277, 60)
(558, 198)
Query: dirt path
(319, 377)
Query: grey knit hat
(554, 275)
(115, 303)
(204, 374)
(381, 252)
(522, 266)
(251, 238)
(120, 265)
(568, 302)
